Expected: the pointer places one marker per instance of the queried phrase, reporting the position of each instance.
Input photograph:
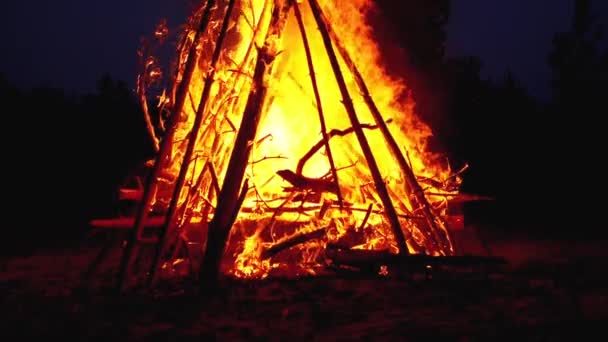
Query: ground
(551, 290)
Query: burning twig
(323, 210)
(446, 185)
(231, 124)
(148, 120)
(267, 158)
(215, 186)
(292, 241)
(264, 138)
(282, 209)
(150, 73)
(367, 215)
(333, 133)
(381, 212)
(297, 83)
(276, 212)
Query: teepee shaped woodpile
(284, 136)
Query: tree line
(538, 158)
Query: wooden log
(130, 195)
(391, 214)
(164, 152)
(292, 241)
(313, 78)
(372, 259)
(220, 225)
(436, 226)
(305, 183)
(192, 139)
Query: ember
(282, 136)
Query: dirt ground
(551, 290)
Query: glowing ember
(292, 210)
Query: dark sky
(69, 43)
(513, 34)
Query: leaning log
(220, 225)
(436, 226)
(333, 133)
(391, 214)
(169, 226)
(313, 78)
(165, 151)
(306, 183)
(293, 241)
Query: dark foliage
(65, 156)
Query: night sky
(69, 43)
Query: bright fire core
(275, 209)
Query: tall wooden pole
(436, 225)
(389, 209)
(193, 137)
(230, 194)
(165, 151)
(313, 78)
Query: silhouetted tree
(580, 67)
(579, 61)
(65, 157)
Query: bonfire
(279, 137)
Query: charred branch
(267, 158)
(305, 183)
(292, 241)
(333, 133)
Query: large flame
(290, 127)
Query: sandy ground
(550, 291)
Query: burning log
(164, 152)
(305, 183)
(315, 88)
(391, 214)
(292, 241)
(220, 225)
(331, 134)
